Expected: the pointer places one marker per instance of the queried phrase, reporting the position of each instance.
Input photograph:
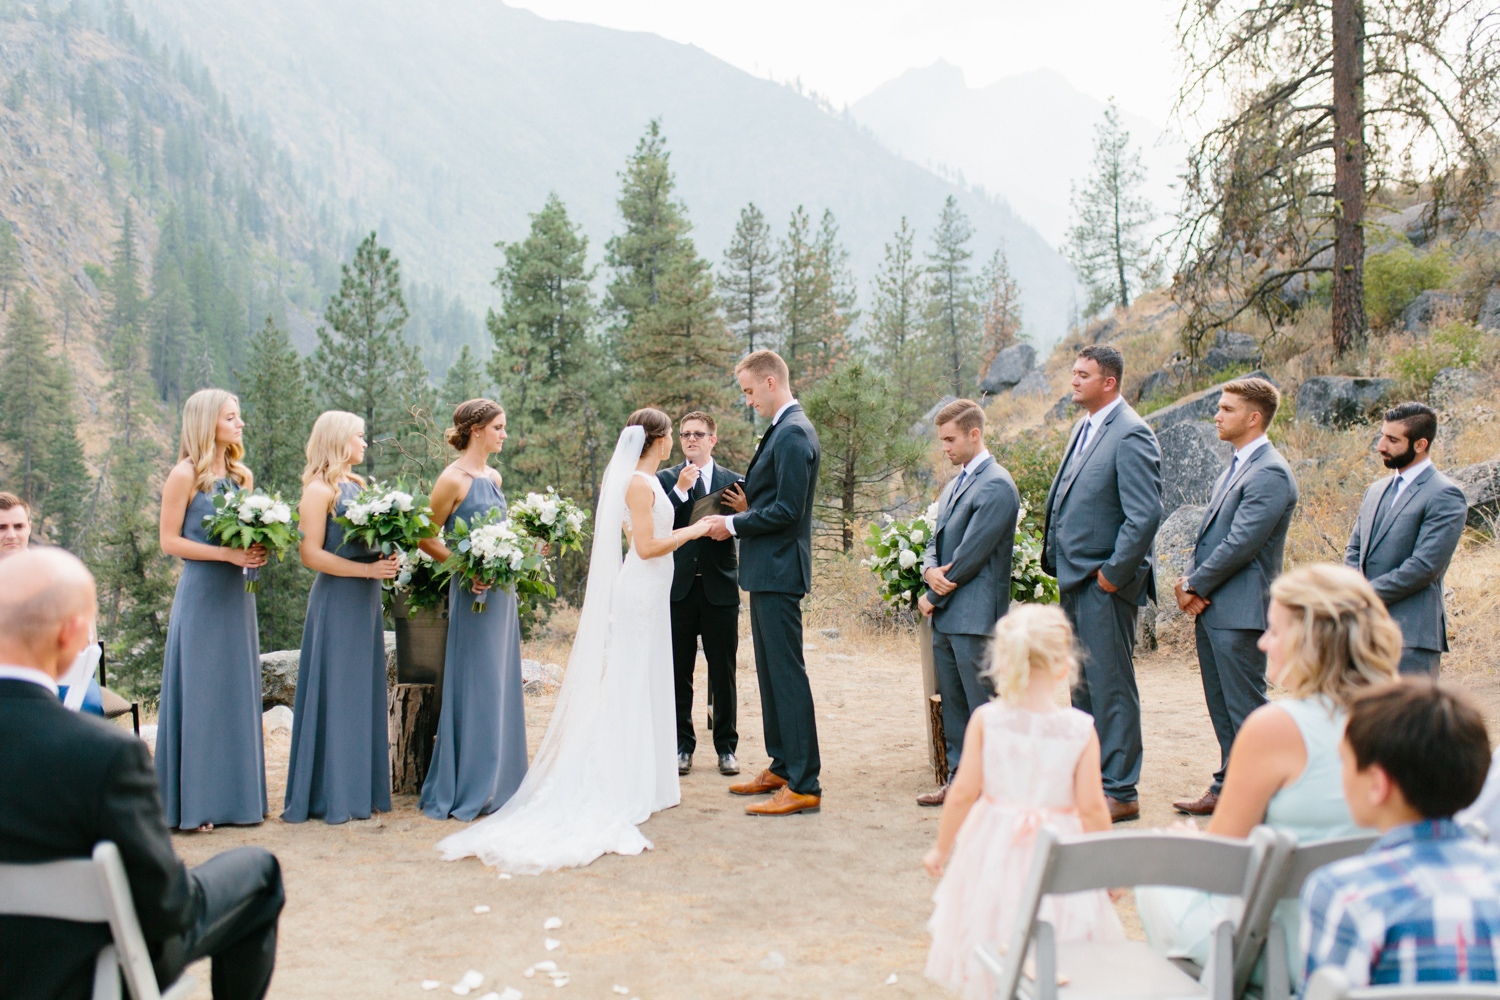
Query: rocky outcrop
(923, 426)
(1173, 549)
(1009, 367)
(1034, 383)
(1200, 405)
(540, 678)
(1489, 313)
(1481, 486)
(1452, 386)
(1230, 350)
(1156, 383)
(1427, 308)
(1192, 456)
(1341, 401)
(278, 674)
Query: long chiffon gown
(340, 768)
(210, 757)
(480, 756)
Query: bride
(609, 758)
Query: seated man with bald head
(68, 781)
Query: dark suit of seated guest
(69, 780)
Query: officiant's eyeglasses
(694, 434)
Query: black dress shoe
(684, 763)
(728, 764)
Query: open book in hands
(713, 503)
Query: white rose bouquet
(420, 580)
(491, 551)
(897, 560)
(243, 518)
(387, 519)
(1028, 583)
(550, 518)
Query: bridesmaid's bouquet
(897, 560)
(550, 518)
(243, 518)
(490, 550)
(386, 519)
(420, 580)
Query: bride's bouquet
(550, 518)
(491, 551)
(243, 518)
(386, 519)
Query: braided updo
(469, 417)
(656, 424)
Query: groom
(775, 536)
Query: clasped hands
(938, 582)
(1190, 603)
(254, 557)
(733, 498)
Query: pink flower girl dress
(1029, 759)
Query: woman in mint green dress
(1328, 638)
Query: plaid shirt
(1421, 905)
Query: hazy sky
(846, 48)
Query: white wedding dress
(609, 757)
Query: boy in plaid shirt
(1423, 904)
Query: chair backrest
(90, 891)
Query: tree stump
(939, 744)
(412, 726)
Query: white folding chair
(1289, 868)
(1094, 970)
(1331, 984)
(91, 891)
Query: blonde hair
(1345, 641)
(199, 438)
(328, 456)
(1030, 636)
(764, 364)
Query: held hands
(687, 477)
(935, 861)
(384, 569)
(715, 527)
(734, 498)
(939, 583)
(252, 558)
(1192, 604)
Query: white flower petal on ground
(560, 981)
(891, 979)
(552, 944)
(481, 909)
(430, 984)
(462, 990)
(529, 972)
(622, 990)
(547, 966)
(505, 875)
(558, 975)
(473, 979)
(490, 996)
(511, 993)
(551, 923)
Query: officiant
(705, 592)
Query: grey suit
(1405, 556)
(1241, 542)
(976, 532)
(1102, 514)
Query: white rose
(402, 500)
(917, 537)
(247, 513)
(908, 559)
(1038, 592)
(280, 513)
(357, 513)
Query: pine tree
(465, 380)
(747, 282)
(952, 312)
(672, 343)
(896, 323)
(10, 262)
(362, 364)
(171, 335)
(999, 308)
(124, 304)
(810, 323)
(278, 409)
(843, 288)
(862, 431)
(1106, 243)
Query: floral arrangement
(1028, 582)
(550, 518)
(387, 520)
(243, 518)
(420, 580)
(490, 550)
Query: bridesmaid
(340, 767)
(210, 758)
(480, 756)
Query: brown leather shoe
(759, 785)
(784, 803)
(933, 798)
(1198, 807)
(1120, 811)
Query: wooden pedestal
(412, 727)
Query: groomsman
(1238, 552)
(1102, 514)
(1409, 525)
(705, 594)
(967, 568)
(15, 524)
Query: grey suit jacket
(1241, 541)
(976, 532)
(1103, 513)
(1406, 559)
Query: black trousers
(1234, 682)
(786, 703)
(720, 628)
(1105, 626)
(958, 658)
(239, 899)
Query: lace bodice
(661, 512)
(1030, 757)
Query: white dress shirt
(1407, 476)
(11, 672)
(1242, 455)
(729, 521)
(1095, 421)
(705, 475)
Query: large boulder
(1342, 401)
(1157, 383)
(278, 674)
(1033, 383)
(1427, 308)
(1063, 408)
(1200, 405)
(1230, 350)
(1481, 486)
(1452, 386)
(1008, 368)
(1489, 313)
(1192, 456)
(1173, 549)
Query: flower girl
(1026, 762)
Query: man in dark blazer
(966, 565)
(775, 534)
(1103, 510)
(1238, 552)
(69, 780)
(705, 594)
(1409, 526)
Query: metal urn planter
(421, 645)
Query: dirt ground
(727, 905)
